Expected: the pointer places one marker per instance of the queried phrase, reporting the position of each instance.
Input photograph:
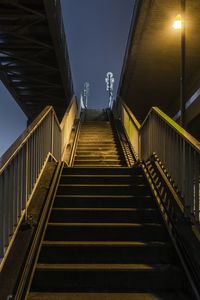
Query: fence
(21, 167)
(131, 126)
(178, 151)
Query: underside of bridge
(33, 55)
(151, 71)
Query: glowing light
(178, 22)
(109, 87)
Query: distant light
(178, 23)
(109, 87)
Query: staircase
(105, 237)
(98, 145)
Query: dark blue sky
(12, 119)
(96, 32)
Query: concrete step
(109, 146)
(96, 123)
(106, 277)
(153, 295)
(103, 189)
(98, 152)
(96, 163)
(97, 141)
(106, 252)
(105, 215)
(105, 232)
(97, 115)
(96, 147)
(101, 179)
(125, 201)
(103, 171)
(100, 138)
(91, 132)
(99, 157)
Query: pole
(182, 66)
(109, 87)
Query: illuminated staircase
(98, 146)
(105, 237)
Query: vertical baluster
(52, 134)
(197, 186)
(26, 176)
(170, 157)
(191, 179)
(37, 152)
(157, 129)
(2, 213)
(183, 173)
(6, 205)
(40, 144)
(160, 137)
(186, 178)
(30, 164)
(19, 196)
(176, 155)
(14, 194)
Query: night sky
(96, 32)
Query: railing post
(139, 145)
(52, 132)
(1, 216)
(197, 188)
(26, 180)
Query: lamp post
(179, 24)
(86, 93)
(109, 87)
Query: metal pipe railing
(22, 165)
(178, 151)
(131, 126)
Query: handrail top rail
(21, 140)
(136, 122)
(182, 132)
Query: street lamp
(109, 87)
(86, 93)
(179, 24)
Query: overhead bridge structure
(34, 58)
(94, 204)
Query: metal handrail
(172, 211)
(178, 151)
(73, 100)
(122, 140)
(22, 165)
(23, 285)
(131, 115)
(131, 126)
(72, 154)
(22, 139)
(67, 123)
(175, 126)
